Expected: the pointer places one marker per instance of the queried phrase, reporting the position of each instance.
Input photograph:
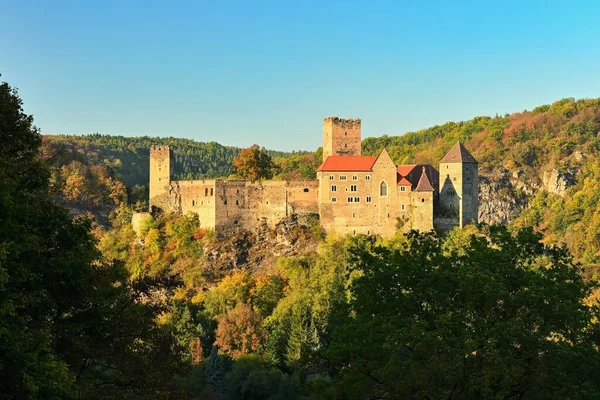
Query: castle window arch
(305, 190)
(383, 189)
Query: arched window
(383, 189)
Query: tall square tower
(341, 137)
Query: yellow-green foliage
(572, 220)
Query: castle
(352, 194)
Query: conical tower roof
(459, 154)
(424, 185)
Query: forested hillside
(129, 156)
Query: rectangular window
(333, 199)
(368, 177)
(354, 177)
(211, 191)
(353, 188)
(205, 191)
(342, 177)
(333, 188)
(331, 177)
(350, 199)
(450, 192)
(357, 199)
(402, 207)
(403, 188)
(368, 199)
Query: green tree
(497, 316)
(45, 258)
(214, 371)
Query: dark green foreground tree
(484, 316)
(70, 326)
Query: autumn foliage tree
(240, 331)
(253, 163)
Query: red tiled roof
(404, 170)
(404, 182)
(348, 163)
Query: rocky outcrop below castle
(254, 250)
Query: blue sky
(268, 72)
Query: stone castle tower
(160, 170)
(459, 180)
(341, 137)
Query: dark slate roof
(459, 154)
(424, 185)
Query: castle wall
(341, 137)
(241, 204)
(196, 196)
(302, 197)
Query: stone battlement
(344, 122)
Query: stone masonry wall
(341, 137)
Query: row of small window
(353, 188)
(351, 199)
(354, 177)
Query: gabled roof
(404, 170)
(458, 154)
(404, 182)
(348, 163)
(424, 185)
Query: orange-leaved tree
(253, 163)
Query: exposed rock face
(261, 248)
(557, 182)
(503, 195)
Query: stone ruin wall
(226, 205)
(197, 196)
(241, 204)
